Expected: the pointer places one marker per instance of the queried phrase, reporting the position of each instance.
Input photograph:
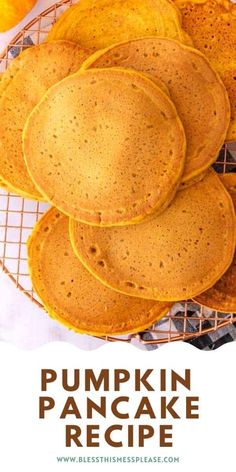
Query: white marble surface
(21, 322)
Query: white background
(29, 444)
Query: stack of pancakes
(116, 121)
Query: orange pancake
(222, 297)
(196, 90)
(76, 298)
(212, 26)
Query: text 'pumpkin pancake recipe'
(113, 143)
(195, 88)
(172, 256)
(76, 298)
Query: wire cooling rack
(186, 320)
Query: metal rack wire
(186, 320)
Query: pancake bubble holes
(186, 320)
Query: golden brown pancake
(72, 295)
(212, 26)
(115, 147)
(196, 90)
(23, 84)
(222, 296)
(229, 181)
(175, 255)
(3, 185)
(99, 24)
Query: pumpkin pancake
(196, 90)
(3, 185)
(22, 86)
(229, 181)
(212, 26)
(172, 256)
(3, 86)
(107, 161)
(222, 296)
(76, 298)
(99, 24)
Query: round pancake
(3, 85)
(212, 26)
(76, 298)
(173, 256)
(23, 85)
(222, 297)
(99, 24)
(107, 161)
(196, 90)
(229, 181)
(194, 180)
(3, 185)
